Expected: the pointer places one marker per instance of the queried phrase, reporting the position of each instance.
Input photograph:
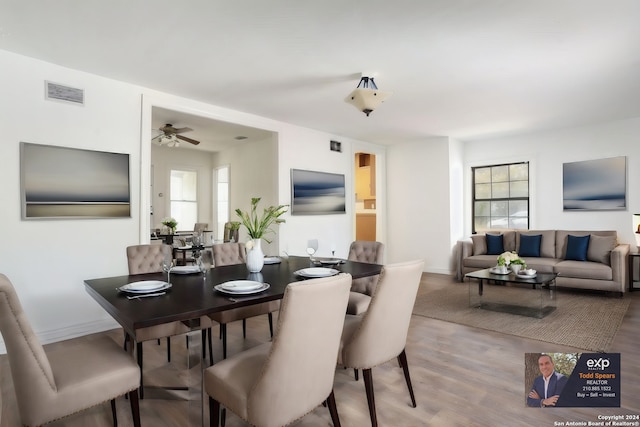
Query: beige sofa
(605, 268)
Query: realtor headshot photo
(549, 382)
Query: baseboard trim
(74, 331)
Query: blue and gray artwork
(595, 184)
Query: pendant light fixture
(367, 97)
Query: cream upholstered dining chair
(199, 227)
(144, 259)
(229, 254)
(362, 288)
(279, 382)
(230, 232)
(53, 385)
(380, 334)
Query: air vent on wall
(64, 93)
(335, 146)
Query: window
(501, 197)
(222, 183)
(183, 193)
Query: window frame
(196, 201)
(474, 199)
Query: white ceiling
(468, 69)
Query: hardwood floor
(462, 376)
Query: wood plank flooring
(462, 376)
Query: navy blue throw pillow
(495, 245)
(577, 247)
(530, 245)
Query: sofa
(582, 259)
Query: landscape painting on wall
(61, 182)
(595, 184)
(317, 193)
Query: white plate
(241, 285)
(263, 287)
(185, 269)
(184, 247)
(145, 287)
(494, 271)
(317, 272)
(272, 260)
(329, 261)
(526, 276)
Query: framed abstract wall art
(317, 193)
(595, 184)
(62, 182)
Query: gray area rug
(585, 321)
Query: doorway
(365, 202)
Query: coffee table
(509, 293)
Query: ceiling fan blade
(184, 138)
(182, 130)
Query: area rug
(582, 320)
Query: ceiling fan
(171, 136)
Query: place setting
(144, 289)
(241, 287)
(316, 272)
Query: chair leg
(270, 315)
(244, 328)
(368, 386)
(204, 342)
(355, 374)
(223, 329)
(168, 349)
(333, 409)
(214, 412)
(113, 412)
(139, 355)
(126, 340)
(402, 360)
(135, 407)
(210, 344)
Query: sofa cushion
(577, 247)
(541, 265)
(495, 244)
(479, 244)
(600, 248)
(547, 244)
(561, 238)
(530, 245)
(583, 270)
(479, 262)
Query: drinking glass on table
(312, 247)
(205, 261)
(167, 265)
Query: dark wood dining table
(193, 295)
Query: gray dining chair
(380, 334)
(143, 259)
(229, 254)
(276, 383)
(53, 385)
(362, 288)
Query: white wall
(48, 260)
(253, 172)
(547, 151)
(419, 200)
(164, 159)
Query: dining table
(194, 295)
